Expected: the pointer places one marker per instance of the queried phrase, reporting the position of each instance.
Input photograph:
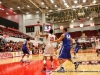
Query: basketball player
(65, 50)
(36, 42)
(36, 38)
(26, 49)
(77, 47)
(49, 49)
(93, 42)
(97, 42)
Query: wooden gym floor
(81, 56)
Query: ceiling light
(74, 9)
(91, 18)
(71, 26)
(75, 1)
(64, 1)
(55, 5)
(59, 8)
(61, 27)
(42, 3)
(73, 6)
(2, 9)
(28, 6)
(81, 25)
(0, 2)
(65, 4)
(18, 7)
(52, 1)
(84, 1)
(50, 11)
(94, 1)
(11, 8)
(72, 21)
(86, 7)
(46, 7)
(37, 12)
(47, 13)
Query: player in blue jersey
(26, 49)
(77, 47)
(65, 50)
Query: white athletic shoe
(52, 67)
(22, 61)
(27, 61)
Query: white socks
(27, 59)
(61, 65)
(44, 61)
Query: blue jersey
(66, 39)
(24, 48)
(24, 45)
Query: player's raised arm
(60, 39)
(37, 33)
(43, 35)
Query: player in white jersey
(36, 42)
(97, 42)
(49, 49)
(36, 39)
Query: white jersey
(36, 38)
(49, 49)
(36, 42)
(50, 38)
(97, 42)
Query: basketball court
(10, 66)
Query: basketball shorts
(25, 51)
(76, 49)
(65, 52)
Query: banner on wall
(16, 54)
(6, 55)
(11, 54)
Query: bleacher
(11, 32)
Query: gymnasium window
(29, 29)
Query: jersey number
(51, 38)
(68, 37)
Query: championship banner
(6, 55)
